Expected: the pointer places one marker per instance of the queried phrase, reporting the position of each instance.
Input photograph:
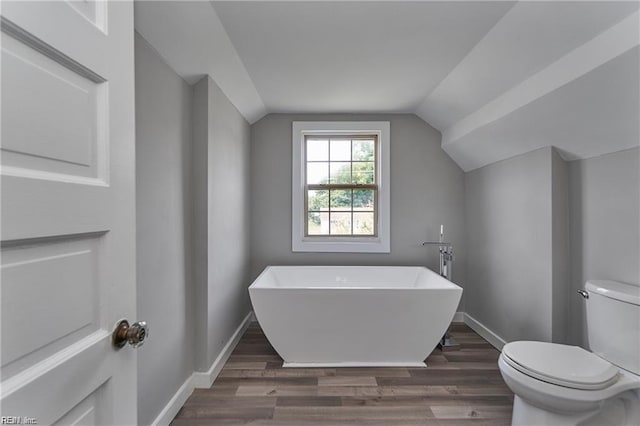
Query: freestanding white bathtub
(352, 316)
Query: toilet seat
(562, 365)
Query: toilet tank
(613, 322)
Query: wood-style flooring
(457, 388)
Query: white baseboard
(175, 404)
(458, 317)
(488, 335)
(203, 379)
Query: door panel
(68, 218)
(87, 412)
(50, 389)
(70, 109)
(53, 320)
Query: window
(340, 187)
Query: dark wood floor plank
(306, 401)
(487, 365)
(279, 372)
(256, 390)
(219, 390)
(375, 372)
(347, 381)
(232, 413)
(255, 358)
(441, 379)
(229, 401)
(470, 412)
(384, 390)
(447, 372)
(353, 413)
(244, 365)
(463, 400)
(462, 387)
(266, 381)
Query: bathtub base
(352, 364)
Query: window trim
(380, 243)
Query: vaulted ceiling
(496, 78)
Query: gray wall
(221, 219)
(605, 218)
(509, 236)
(427, 190)
(165, 293)
(193, 206)
(560, 257)
(200, 225)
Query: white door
(68, 218)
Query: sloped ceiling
(353, 56)
(496, 78)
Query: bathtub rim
(448, 285)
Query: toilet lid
(569, 366)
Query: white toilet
(566, 385)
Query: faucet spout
(437, 243)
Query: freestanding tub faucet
(446, 269)
(446, 257)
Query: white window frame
(348, 244)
